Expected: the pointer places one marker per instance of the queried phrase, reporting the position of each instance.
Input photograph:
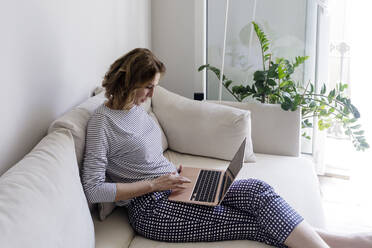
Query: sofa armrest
(274, 131)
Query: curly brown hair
(129, 73)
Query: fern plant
(274, 84)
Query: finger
(180, 187)
(180, 168)
(180, 179)
(185, 180)
(177, 190)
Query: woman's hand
(169, 181)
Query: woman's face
(147, 91)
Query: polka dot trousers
(251, 210)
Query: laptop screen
(233, 170)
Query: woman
(124, 144)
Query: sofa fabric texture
(271, 126)
(76, 121)
(202, 128)
(293, 178)
(42, 203)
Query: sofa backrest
(202, 128)
(274, 131)
(76, 121)
(42, 203)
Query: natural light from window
(349, 61)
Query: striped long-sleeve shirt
(123, 146)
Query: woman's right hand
(169, 181)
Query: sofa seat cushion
(293, 178)
(42, 203)
(115, 231)
(140, 242)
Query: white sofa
(42, 203)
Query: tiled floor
(347, 206)
(348, 203)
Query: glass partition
(284, 23)
(290, 26)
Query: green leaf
(343, 87)
(259, 76)
(323, 90)
(355, 111)
(294, 107)
(227, 84)
(331, 95)
(297, 100)
(266, 90)
(259, 85)
(312, 104)
(323, 112)
(287, 99)
(300, 60)
(238, 89)
(352, 120)
(202, 67)
(321, 125)
(271, 82)
(272, 71)
(275, 85)
(356, 126)
(281, 71)
(307, 123)
(311, 88)
(290, 70)
(286, 106)
(254, 90)
(286, 94)
(279, 60)
(284, 83)
(264, 42)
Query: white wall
(178, 39)
(52, 54)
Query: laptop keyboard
(206, 186)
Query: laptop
(209, 186)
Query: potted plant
(273, 84)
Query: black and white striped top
(121, 146)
